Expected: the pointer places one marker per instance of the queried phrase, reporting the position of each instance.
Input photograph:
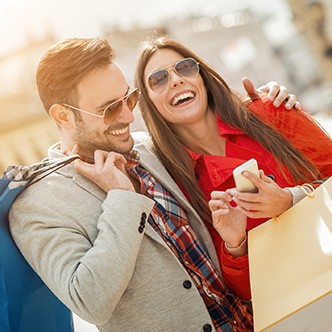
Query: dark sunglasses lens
(187, 67)
(132, 99)
(158, 79)
(112, 111)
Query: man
(122, 248)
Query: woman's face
(181, 100)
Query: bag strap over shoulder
(51, 167)
(38, 171)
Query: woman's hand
(229, 222)
(275, 92)
(270, 201)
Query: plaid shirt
(169, 220)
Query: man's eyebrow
(102, 107)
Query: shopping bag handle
(308, 189)
(42, 172)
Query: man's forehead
(103, 85)
(120, 76)
(110, 74)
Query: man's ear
(62, 116)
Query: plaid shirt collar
(133, 157)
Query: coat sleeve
(85, 250)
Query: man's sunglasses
(187, 67)
(112, 111)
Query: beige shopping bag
(290, 261)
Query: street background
(287, 41)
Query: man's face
(97, 90)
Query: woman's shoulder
(264, 108)
(280, 117)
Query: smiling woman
(202, 130)
(174, 72)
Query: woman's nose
(175, 78)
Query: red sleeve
(301, 130)
(235, 273)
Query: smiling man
(119, 246)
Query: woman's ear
(62, 116)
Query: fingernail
(245, 173)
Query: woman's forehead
(162, 58)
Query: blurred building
(313, 19)
(25, 129)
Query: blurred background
(289, 41)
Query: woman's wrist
(240, 249)
(237, 246)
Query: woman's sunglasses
(112, 111)
(187, 67)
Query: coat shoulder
(142, 137)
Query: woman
(202, 130)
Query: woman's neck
(203, 137)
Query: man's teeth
(181, 97)
(119, 131)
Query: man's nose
(126, 114)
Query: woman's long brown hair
(229, 108)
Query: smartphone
(242, 183)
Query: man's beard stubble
(90, 141)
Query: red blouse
(215, 172)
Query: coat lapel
(152, 164)
(94, 190)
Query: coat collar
(225, 129)
(69, 171)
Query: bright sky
(20, 19)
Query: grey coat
(87, 247)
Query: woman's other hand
(275, 92)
